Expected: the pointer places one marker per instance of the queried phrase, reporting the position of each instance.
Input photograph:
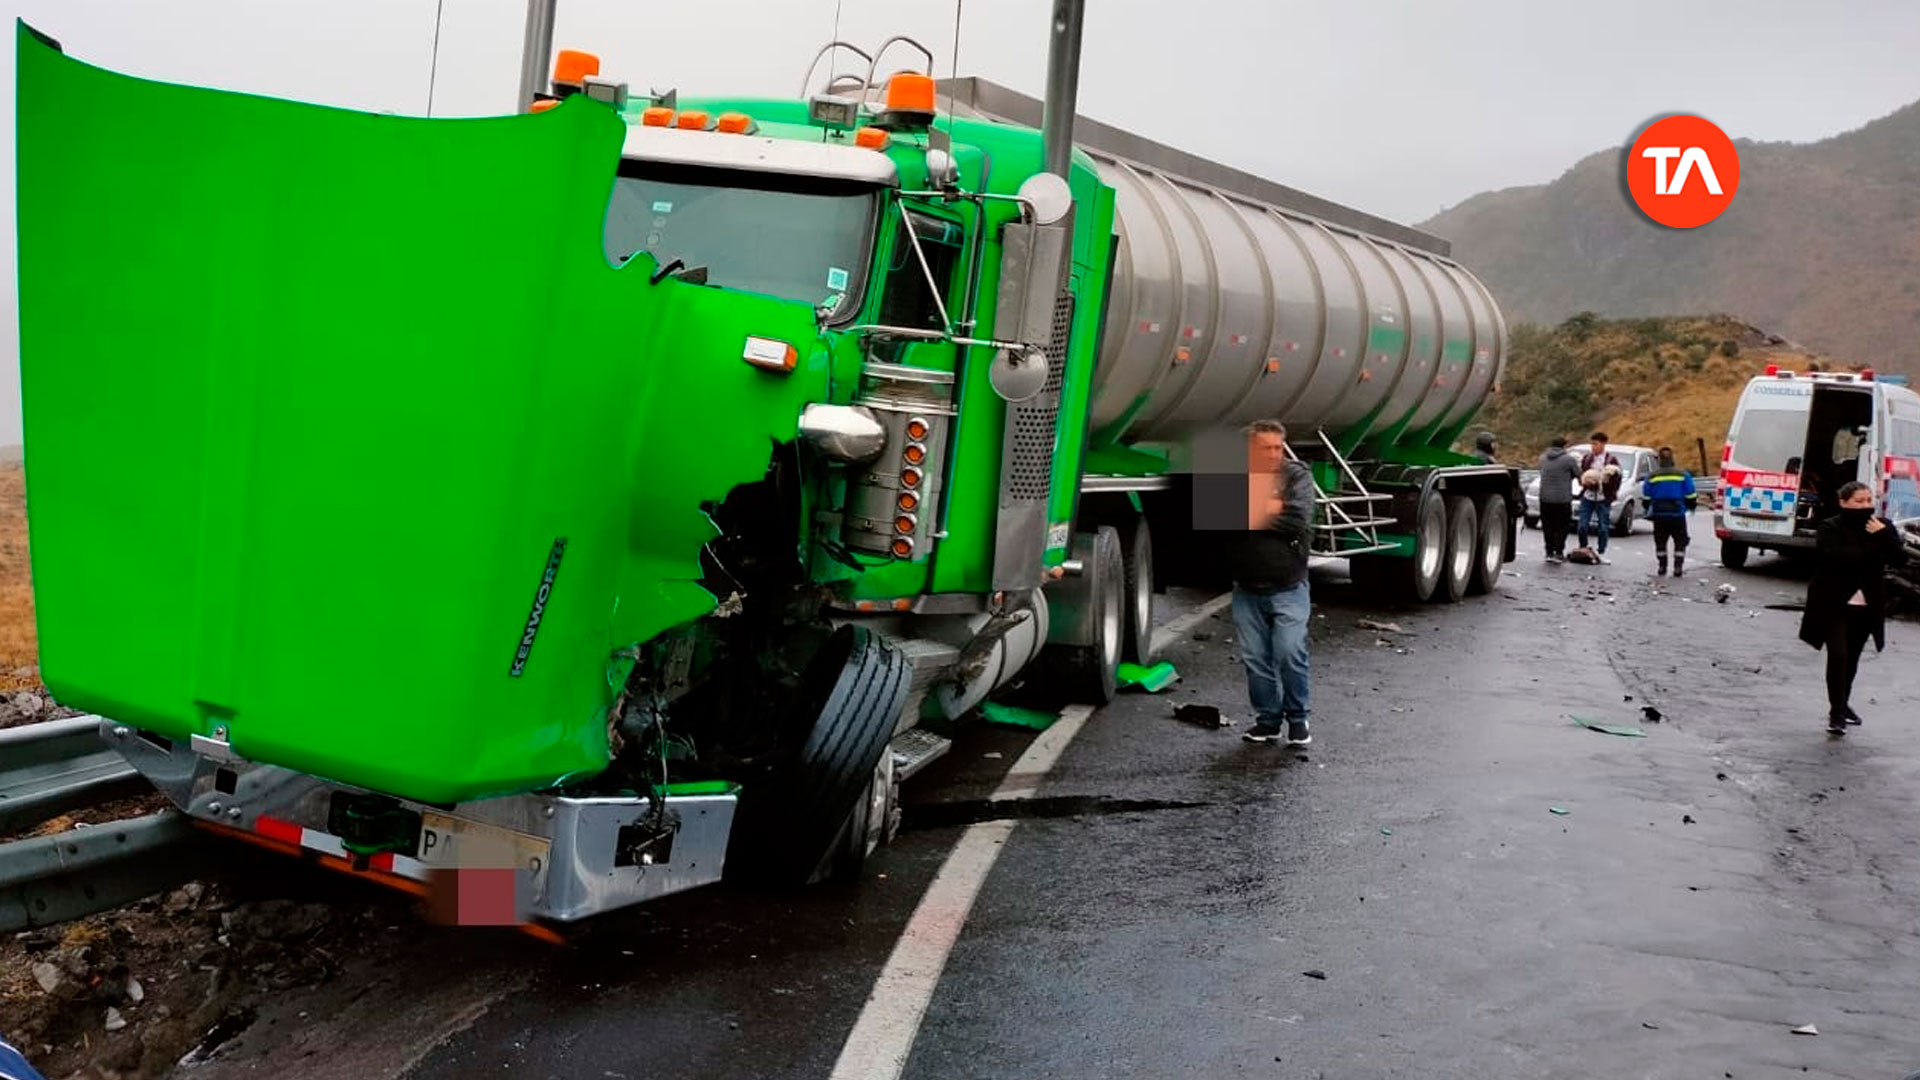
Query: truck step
(1362, 498)
(915, 750)
(1356, 523)
(927, 658)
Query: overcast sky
(1398, 108)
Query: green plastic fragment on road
(1015, 716)
(1151, 679)
(1386, 832)
(1559, 810)
(1609, 729)
(697, 787)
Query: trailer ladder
(1347, 517)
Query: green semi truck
(574, 505)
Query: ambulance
(1795, 439)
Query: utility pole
(1063, 86)
(536, 52)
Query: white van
(1795, 439)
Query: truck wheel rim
(1113, 617)
(1462, 550)
(1433, 537)
(1143, 590)
(1493, 545)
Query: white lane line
(881, 1039)
(1185, 624)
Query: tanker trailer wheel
(1491, 555)
(1463, 549)
(1408, 579)
(1136, 547)
(1089, 621)
(849, 700)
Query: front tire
(788, 821)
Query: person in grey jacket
(1559, 472)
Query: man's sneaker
(1853, 717)
(1261, 733)
(1297, 733)
(1836, 725)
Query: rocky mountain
(1821, 245)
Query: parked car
(1636, 464)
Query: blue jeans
(1273, 645)
(1597, 518)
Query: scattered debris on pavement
(1383, 627)
(1202, 715)
(1014, 716)
(1558, 811)
(1151, 679)
(1609, 729)
(1806, 1029)
(1652, 714)
(1316, 973)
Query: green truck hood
(316, 399)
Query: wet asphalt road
(1155, 907)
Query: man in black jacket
(1271, 601)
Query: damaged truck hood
(346, 439)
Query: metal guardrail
(84, 871)
(54, 766)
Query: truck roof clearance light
(573, 66)
(543, 105)
(693, 120)
(771, 354)
(1866, 375)
(910, 101)
(657, 116)
(870, 138)
(734, 123)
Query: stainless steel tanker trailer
(1233, 299)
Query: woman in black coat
(1846, 601)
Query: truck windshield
(794, 237)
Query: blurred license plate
(447, 842)
(1778, 526)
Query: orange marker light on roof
(657, 116)
(870, 138)
(573, 66)
(543, 106)
(693, 119)
(733, 123)
(910, 91)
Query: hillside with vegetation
(1645, 382)
(1820, 245)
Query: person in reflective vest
(1670, 498)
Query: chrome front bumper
(557, 857)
